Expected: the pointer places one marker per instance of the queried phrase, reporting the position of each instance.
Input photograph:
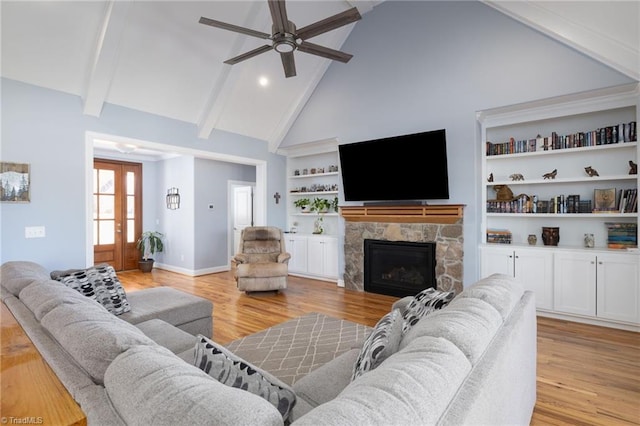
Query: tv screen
(409, 167)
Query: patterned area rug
(294, 348)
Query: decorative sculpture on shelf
(591, 171)
(516, 176)
(503, 192)
(550, 235)
(490, 177)
(550, 175)
(633, 168)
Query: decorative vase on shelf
(532, 239)
(589, 241)
(317, 226)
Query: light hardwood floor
(587, 375)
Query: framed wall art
(15, 182)
(605, 199)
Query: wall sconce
(173, 199)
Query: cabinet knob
(600, 263)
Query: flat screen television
(410, 167)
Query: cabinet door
(574, 283)
(297, 247)
(534, 268)
(618, 292)
(315, 256)
(496, 260)
(322, 256)
(331, 257)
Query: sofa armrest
(284, 257)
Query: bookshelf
(565, 162)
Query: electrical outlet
(210, 206)
(34, 232)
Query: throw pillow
(99, 283)
(380, 344)
(231, 370)
(425, 302)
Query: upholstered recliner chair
(262, 263)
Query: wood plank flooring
(587, 375)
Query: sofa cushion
(42, 296)
(18, 274)
(380, 344)
(99, 283)
(231, 370)
(92, 336)
(169, 336)
(323, 384)
(168, 304)
(424, 303)
(148, 385)
(499, 290)
(412, 387)
(470, 324)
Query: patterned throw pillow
(99, 283)
(425, 302)
(381, 343)
(231, 370)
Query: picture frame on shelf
(604, 199)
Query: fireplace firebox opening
(399, 268)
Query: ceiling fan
(285, 38)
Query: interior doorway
(242, 208)
(117, 212)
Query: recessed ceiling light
(263, 81)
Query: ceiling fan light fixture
(284, 43)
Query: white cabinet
(296, 246)
(602, 285)
(597, 285)
(575, 283)
(533, 267)
(323, 256)
(313, 256)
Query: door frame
(230, 203)
(260, 197)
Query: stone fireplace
(439, 224)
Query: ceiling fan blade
(279, 16)
(289, 64)
(330, 23)
(249, 54)
(231, 27)
(325, 52)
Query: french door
(117, 213)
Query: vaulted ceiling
(155, 57)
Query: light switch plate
(34, 232)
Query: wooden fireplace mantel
(437, 213)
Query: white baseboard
(191, 272)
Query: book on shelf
(499, 236)
(618, 133)
(628, 200)
(622, 235)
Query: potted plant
(149, 243)
(303, 204)
(334, 204)
(320, 205)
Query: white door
(496, 260)
(534, 268)
(242, 203)
(574, 283)
(618, 292)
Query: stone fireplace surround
(441, 224)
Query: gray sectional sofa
(472, 362)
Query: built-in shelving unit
(312, 172)
(589, 284)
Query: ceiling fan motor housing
(287, 41)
